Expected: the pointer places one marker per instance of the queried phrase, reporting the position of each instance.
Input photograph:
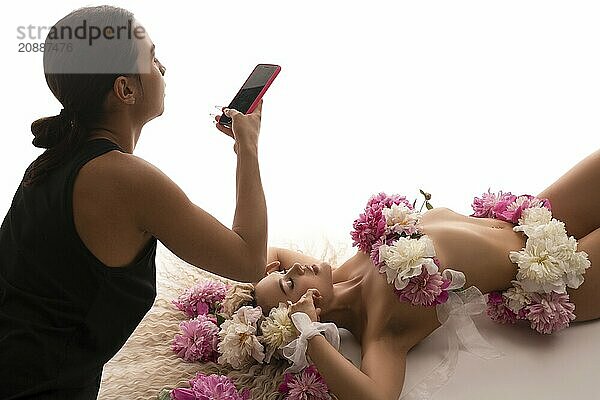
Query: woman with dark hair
(77, 246)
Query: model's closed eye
(290, 281)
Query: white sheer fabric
(455, 315)
(295, 351)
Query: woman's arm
(382, 367)
(161, 208)
(381, 376)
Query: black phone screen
(250, 90)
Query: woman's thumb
(230, 112)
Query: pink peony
(550, 312)
(202, 298)
(199, 339)
(483, 206)
(210, 387)
(425, 289)
(371, 224)
(505, 206)
(498, 309)
(383, 200)
(369, 227)
(305, 385)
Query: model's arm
(381, 376)
(382, 367)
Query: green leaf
(220, 319)
(164, 394)
(429, 206)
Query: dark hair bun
(47, 131)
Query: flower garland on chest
(388, 230)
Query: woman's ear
(272, 267)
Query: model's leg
(587, 297)
(575, 197)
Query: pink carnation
(369, 227)
(202, 298)
(305, 385)
(382, 200)
(502, 206)
(550, 312)
(199, 339)
(498, 310)
(425, 289)
(210, 387)
(371, 224)
(483, 206)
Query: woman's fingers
(222, 128)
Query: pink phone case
(264, 90)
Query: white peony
(400, 218)
(404, 259)
(277, 330)
(538, 270)
(535, 216)
(238, 342)
(517, 297)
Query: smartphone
(249, 95)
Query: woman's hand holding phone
(245, 128)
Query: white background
(449, 96)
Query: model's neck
(346, 309)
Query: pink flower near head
(425, 289)
(305, 385)
(182, 394)
(202, 298)
(199, 339)
(216, 387)
(550, 312)
(497, 309)
(371, 224)
(369, 227)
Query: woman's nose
(298, 269)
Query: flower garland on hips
(547, 264)
(224, 327)
(388, 230)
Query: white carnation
(578, 263)
(238, 342)
(535, 216)
(277, 330)
(403, 259)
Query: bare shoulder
(136, 185)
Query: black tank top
(63, 313)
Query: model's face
(151, 76)
(281, 286)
